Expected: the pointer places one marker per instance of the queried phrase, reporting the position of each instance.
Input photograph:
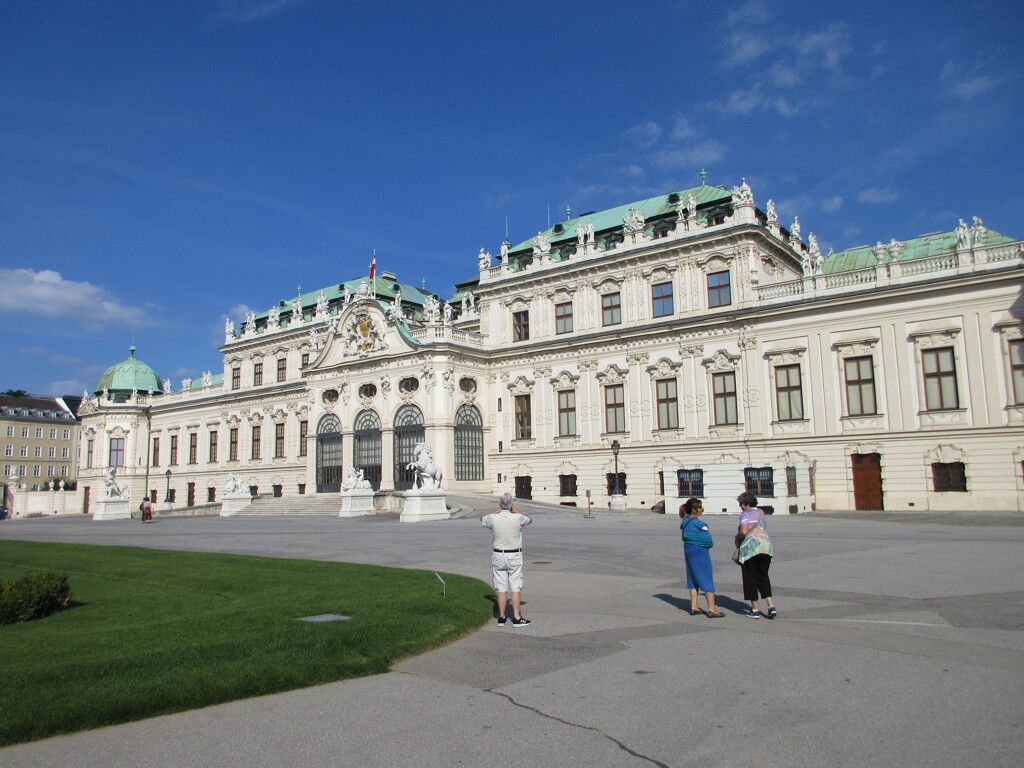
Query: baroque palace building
(713, 348)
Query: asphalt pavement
(900, 641)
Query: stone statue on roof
(814, 250)
(431, 311)
(274, 318)
(894, 248)
(633, 221)
(346, 295)
(504, 251)
(250, 323)
(963, 235)
(207, 378)
(448, 313)
(880, 252)
(743, 195)
(229, 325)
(541, 245)
(321, 305)
(978, 232)
(691, 206)
(484, 259)
(167, 386)
(186, 384)
(296, 313)
(770, 213)
(314, 340)
(794, 231)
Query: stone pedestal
(618, 503)
(113, 508)
(356, 504)
(230, 503)
(424, 505)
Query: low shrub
(33, 596)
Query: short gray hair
(506, 501)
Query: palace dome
(129, 375)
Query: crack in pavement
(598, 731)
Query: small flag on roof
(373, 264)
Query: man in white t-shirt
(506, 524)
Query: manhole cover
(326, 617)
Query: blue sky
(166, 165)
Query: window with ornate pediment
(567, 413)
(719, 289)
(521, 325)
(661, 299)
(724, 384)
(524, 419)
(563, 317)
(668, 403)
(1016, 355)
(611, 308)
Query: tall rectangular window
(233, 444)
(257, 374)
(305, 359)
(10, 431)
(67, 434)
(193, 447)
(1017, 371)
(236, 378)
(691, 483)
(256, 447)
(611, 309)
(214, 437)
(303, 435)
(567, 413)
(791, 481)
(759, 481)
(668, 404)
(940, 392)
(156, 451)
(661, 297)
(88, 454)
(282, 368)
(789, 396)
(524, 424)
(117, 451)
(719, 289)
(521, 325)
(53, 433)
(567, 485)
(725, 398)
(174, 450)
(860, 386)
(615, 408)
(279, 441)
(949, 477)
(563, 317)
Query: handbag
(736, 556)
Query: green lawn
(150, 632)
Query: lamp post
(618, 501)
(167, 495)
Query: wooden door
(867, 480)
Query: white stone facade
(715, 344)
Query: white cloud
(703, 153)
(877, 195)
(245, 11)
(682, 130)
(67, 387)
(645, 135)
(46, 294)
(756, 12)
(634, 171)
(832, 204)
(968, 89)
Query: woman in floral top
(755, 556)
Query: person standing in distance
(506, 524)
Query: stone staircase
(327, 504)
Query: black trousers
(755, 577)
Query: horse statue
(115, 490)
(428, 475)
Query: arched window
(469, 444)
(366, 435)
(408, 432)
(328, 455)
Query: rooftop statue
(963, 235)
(794, 231)
(504, 251)
(207, 378)
(250, 323)
(633, 221)
(274, 318)
(770, 213)
(743, 195)
(484, 259)
(296, 312)
(541, 245)
(978, 232)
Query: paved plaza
(900, 641)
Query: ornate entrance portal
(328, 455)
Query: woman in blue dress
(697, 545)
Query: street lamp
(167, 496)
(615, 453)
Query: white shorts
(508, 571)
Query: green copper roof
(128, 375)
(612, 218)
(922, 247)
